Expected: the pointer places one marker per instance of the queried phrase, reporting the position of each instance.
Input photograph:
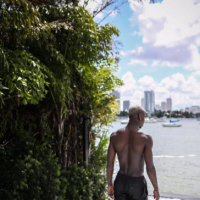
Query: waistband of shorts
(124, 176)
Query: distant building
(149, 101)
(126, 105)
(163, 106)
(194, 109)
(152, 101)
(157, 107)
(142, 102)
(117, 95)
(169, 104)
(187, 109)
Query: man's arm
(110, 167)
(151, 171)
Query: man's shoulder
(118, 132)
(145, 135)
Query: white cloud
(184, 91)
(197, 73)
(129, 86)
(147, 83)
(113, 13)
(137, 61)
(170, 33)
(93, 5)
(135, 33)
(196, 1)
(122, 53)
(99, 15)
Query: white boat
(151, 120)
(171, 125)
(124, 122)
(161, 120)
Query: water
(176, 156)
(162, 198)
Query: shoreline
(177, 196)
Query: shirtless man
(133, 147)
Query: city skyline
(161, 50)
(167, 104)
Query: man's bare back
(133, 148)
(130, 146)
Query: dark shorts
(130, 188)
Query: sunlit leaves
(54, 59)
(24, 76)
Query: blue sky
(130, 42)
(161, 50)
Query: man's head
(137, 114)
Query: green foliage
(24, 76)
(175, 114)
(85, 183)
(123, 113)
(31, 169)
(1, 90)
(36, 171)
(197, 115)
(159, 114)
(89, 182)
(99, 152)
(55, 61)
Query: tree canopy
(56, 65)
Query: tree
(56, 64)
(123, 113)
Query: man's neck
(133, 125)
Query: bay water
(176, 152)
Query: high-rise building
(142, 102)
(149, 101)
(163, 106)
(169, 104)
(126, 105)
(152, 101)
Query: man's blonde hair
(135, 110)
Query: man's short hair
(135, 110)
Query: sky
(160, 50)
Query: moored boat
(150, 120)
(124, 122)
(171, 124)
(173, 120)
(161, 120)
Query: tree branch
(116, 7)
(3, 145)
(10, 97)
(103, 8)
